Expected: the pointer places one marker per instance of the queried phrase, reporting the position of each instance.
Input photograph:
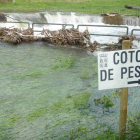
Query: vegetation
(90, 70)
(81, 100)
(133, 127)
(116, 93)
(64, 63)
(30, 100)
(133, 132)
(90, 6)
(5, 1)
(105, 101)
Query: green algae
(77, 101)
(89, 70)
(64, 62)
(34, 95)
(81, 100)
(33, 74)
(86, 74)
(6, 127)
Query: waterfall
(59, 18)
(53, 17)
(73, 18)
(131, 21)
(48, 17)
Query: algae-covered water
(39, 88)
(47, 93)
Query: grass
(107, 133)
(92, 7)
(116, 94)
(133, 131)
(105, 102)
(80, 133)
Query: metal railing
(80, 25)
(132, 31)
(107, 27)
(33, 24)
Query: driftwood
(113, 47)
(12, 36)
(16, 36)
(132, 7)
(70, 36)
(30, 34)
(64, 36)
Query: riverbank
(90, 7)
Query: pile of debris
(126, 37)
(70, 36)
(63, 36)
(11, 35)
(16, 36)
(118, 46)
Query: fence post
(123, 99)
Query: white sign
(118, 69)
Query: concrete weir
(54, 21)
